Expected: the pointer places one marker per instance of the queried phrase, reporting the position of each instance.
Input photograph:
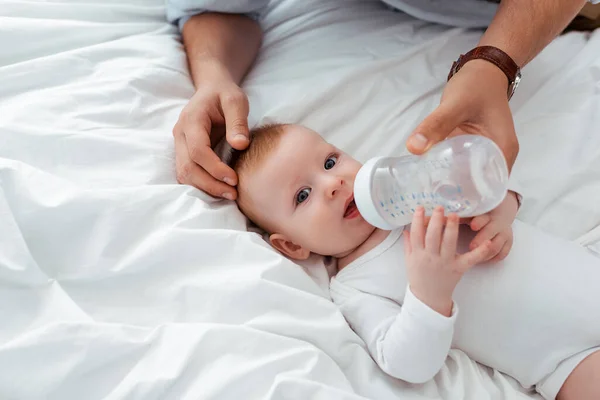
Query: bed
(118, 283)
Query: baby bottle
(466, 174)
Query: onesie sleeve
(409, 342)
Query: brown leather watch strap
(496, 57)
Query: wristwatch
(496, 57)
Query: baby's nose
(335, 186)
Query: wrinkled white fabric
(116, 282)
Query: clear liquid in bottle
(467, 175)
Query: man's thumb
(435, 128)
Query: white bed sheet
(115, 282)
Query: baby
(402, 297)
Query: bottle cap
(363, 185)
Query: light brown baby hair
(264, 140)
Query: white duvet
(118, 283)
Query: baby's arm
(409, 342)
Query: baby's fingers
(479, 222)
(448, 249)
(407, 248)
(503, 253)
(433, 237)
(497, 244)
(417, 229)
(476, 256)
(487, 233)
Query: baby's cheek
(324, 237)
(322, 229)
(336, 236)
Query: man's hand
(474, 101)
(220, 48)
(496, 226)
(217, 102)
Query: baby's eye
(330, 162)
(302, 195)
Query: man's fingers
(436, 127)
(417, 229)
(202, 179)
(196, 137)
(190, 173)
(235, 110)
(433, 236)
(450, 238)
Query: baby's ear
(289, 248)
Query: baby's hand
(433, 266)
(496, 226)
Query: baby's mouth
(351, 210)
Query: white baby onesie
(534, 316)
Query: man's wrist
(207, 69)
(227, 41)
(495, 56)
(490, 73)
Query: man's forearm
(227, 40)
(522, 28)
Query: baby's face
(304, 191)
